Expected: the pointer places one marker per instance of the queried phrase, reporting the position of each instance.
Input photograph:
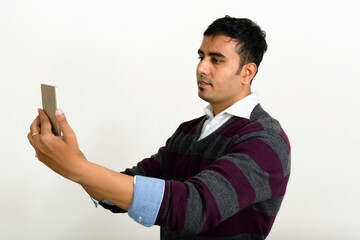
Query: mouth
(203, 84)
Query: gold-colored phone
(50, 104)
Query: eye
(216, 60)
(200, 58)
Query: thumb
(64, 126)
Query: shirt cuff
(147, 198)
(96, 203)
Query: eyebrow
(217, 54)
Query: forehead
(219, 43)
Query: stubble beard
(201, 90)
(203, 95)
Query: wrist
(80, 170)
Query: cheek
(227, 86)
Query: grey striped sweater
(229, 185)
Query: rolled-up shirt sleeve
(147, 198)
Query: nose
(203, 67)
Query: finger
(68, 133)
(30, 139)
(34, 139)
(35, 130)
(35, 126)
(45, 124)
(32, 142)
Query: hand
(61, 154)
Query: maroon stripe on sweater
(163, 203)
(266, 158)
(241, 127)
(189, 127)
(245, 192)
(151, 167)
(178, 198)
(247, 221)
(183, 166)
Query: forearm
(104, 184)
(92, 193)
(64, 157)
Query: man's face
(219, 81)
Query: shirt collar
(241, 108)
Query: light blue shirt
(148, 195)
(147, 198)
(149, 192)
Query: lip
(202, 83)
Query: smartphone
(50, 104)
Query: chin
(201, 95)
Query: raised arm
(63, 156)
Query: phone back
(50, 104)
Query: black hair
(251, 39)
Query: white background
(126, 78)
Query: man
(220, 176)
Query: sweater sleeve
(149, 167)
(250, 172)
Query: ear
(248, 72)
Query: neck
(219, 107)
